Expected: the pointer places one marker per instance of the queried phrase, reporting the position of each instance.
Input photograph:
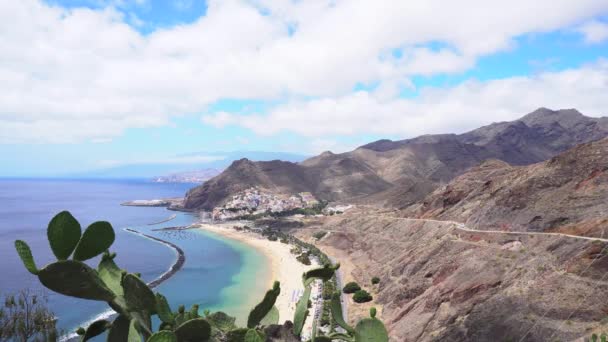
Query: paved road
(461, 226)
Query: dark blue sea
(214, 267)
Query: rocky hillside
(400, 173)
(566, 194)
(439, 283)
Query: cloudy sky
(88, 83)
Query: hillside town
(255, 201)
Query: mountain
(566, 193)
(185, 163)
(440, 283)
(400, 173)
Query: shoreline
(283, 265)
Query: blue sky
(92, 84)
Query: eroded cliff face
(439, 283)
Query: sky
(88, 84)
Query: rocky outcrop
(564, 194)
(439, 283)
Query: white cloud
(594, 31)
(74, 75)
(437, 110)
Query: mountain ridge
(400, 173)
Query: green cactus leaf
(25, 253)
(253, 335)
(371, 329)
(95, 329)
(163, 336)
(261, 310)
(236, 335)
(336, 313)
(97, 238)
(63, 234)
(123, 330)
(221, 321)
(75, 279)
(301, 312)
(344, 337)
(272, 317)
(110, 273)
(322, 339)
(324, 273)
(194, 311)
(163, 309)
(194, 330)
(138, 295)
(143, 323)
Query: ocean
(218, 274)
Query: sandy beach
(284, 266)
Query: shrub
(319, 235)
(303, 258)
(351, 287)
(375, 280)
(362, 296)
(272, 238)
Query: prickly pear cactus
(75, 279)
(95, 329)
(25, 253)
(163, 336)
(253, 335)
(301, 312)
(63, 234)
(261, 310)
(371, 329)
(336, 312)
(194, 330)
(97, 238)
(324, 273)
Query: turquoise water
(218, 274)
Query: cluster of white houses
(254, 201)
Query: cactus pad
(324, 273)
(123, 330)
(194, 330)
(261, 310)
(163, 336)
(253, 335)
(97, 238)
(138, 295)
(95, 329)
(75, 279)
(336, 312)
(371, 329)
(25, 253)
(110, 273)
(163, 309)
(301, 312)
(63, 234)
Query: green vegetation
(136, 303)
(25, 316)
(375, 280)
(304, 259)
(362, 296)
(351, 287)
(319, 235)
(603, 338)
